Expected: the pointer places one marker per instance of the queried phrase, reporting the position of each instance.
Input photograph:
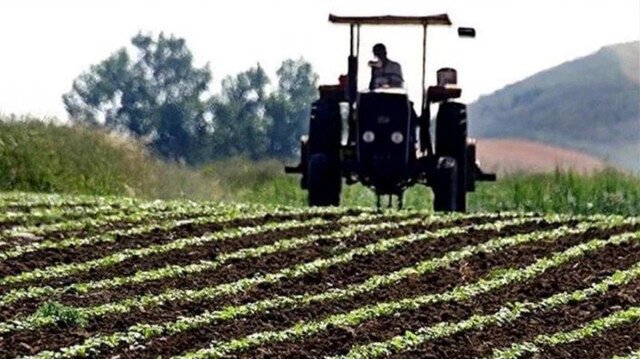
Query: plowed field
(119, 278)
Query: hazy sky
(46, 44)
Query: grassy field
(608, 191)
(93, 277)
(242, 276)
(40, 157)
(47, 157)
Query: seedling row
(110, 277)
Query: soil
(44, 258)
(571, 276)
(247, 268)
(618, 341)
(231, 271)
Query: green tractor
(387, 146)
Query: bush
(48, 157)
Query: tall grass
(44, 157)
(608, 191)
(48, 157)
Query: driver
(384, 72)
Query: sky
(45, 44)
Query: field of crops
(120, 278)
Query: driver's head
(380, 51)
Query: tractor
(375, 137)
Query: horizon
(33, 82)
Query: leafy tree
(156, 96)
(239, 123)
(249, 121)
(289, 106)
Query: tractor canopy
(442, 19)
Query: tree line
(158, 95)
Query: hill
(589, 104)
(510, 155)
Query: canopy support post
(424, 69)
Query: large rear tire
(451, 141)
(445, 188)
(323, 180)
(323, 177)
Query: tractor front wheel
(323, 180)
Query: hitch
(291, 169)
(482, 176)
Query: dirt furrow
(273, 319)
(49, 257)
(91, 229)
(618, 341)
(573, 275)
(182, 256)
(56, 337)
(232, 271)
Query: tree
(249, 121)
(288, 108)
(239, 123)
(157, 96)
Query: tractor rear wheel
(445, 188)
(451, 141)
(323, 180)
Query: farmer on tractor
(384, 72)
(387, 146)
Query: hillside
(590, 104)
(48, 157)
(508, 155)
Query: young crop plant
(409, 340)
(506, 314)
(202, 266)
(635, 354)
(144, 332)
(149, 301)
(593, 328)
(64, 270)
(166, 223)
(52, 200)
(61, 314)
(110, 277)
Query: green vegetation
(353, 238)
(158, 94)
(609, 191)
(48, 157)
(595, 327)
(506, 314)
(509, 312)
(45, 157)
(61, 314)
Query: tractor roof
(442, 19)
